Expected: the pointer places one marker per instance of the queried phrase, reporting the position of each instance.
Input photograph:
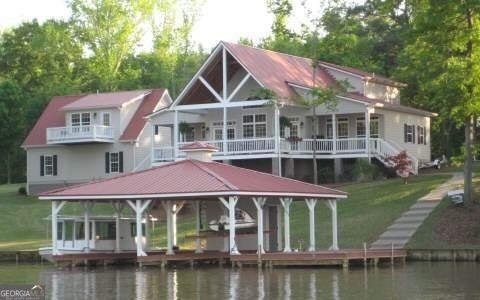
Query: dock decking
(343, 258)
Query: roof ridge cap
(285, 178)
(199, 165)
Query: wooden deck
(343, 258)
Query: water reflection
(413, 281)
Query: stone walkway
(400, 232)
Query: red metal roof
(138, 121)
(274, 69)
(199, 145)
(52, 116)
(192, 179)
(113, 99)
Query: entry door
(272, 228)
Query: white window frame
(254, 123)
(106, 113)
(374, 120)
(75, 124)
(45, 165)
(421, 135)
(410, 129)
(115, 163)
(358, 121)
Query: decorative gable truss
(220, 80)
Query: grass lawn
(370, 208)
(450, 227)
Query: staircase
(381, 149)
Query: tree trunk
(468, 166)
(314, 147)
(7, 165)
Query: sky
(226, 20)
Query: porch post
(232, 201)
(56, 207)
(277, 138)
(311, 216)
(224, 132)
(175, 135)
(87, 206)
(198, 246)
(286, 213)
(367, 133)
(333, 208)
(138, 214)
(167, 206)
(147, 230)
(259, 203)
(334, 133)
(174, 224)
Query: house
(86, 137)
(222, 104)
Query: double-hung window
(342, 128)
(106, 119)
(374, 127)
(422, 140)
(254, 126)
(361, 127)
(48, 165)
(113, 162)
(409, 133)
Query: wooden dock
(343, 258)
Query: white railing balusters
(80, 133)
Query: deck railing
(72, 134)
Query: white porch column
(367, 133)
(259, 203)
(176, 207)
(286, 213)
(175, 135)
(198, 246)
(139, 207)
(118, 213)
(277, 138)
(224, 132)
(333, 207)
(311, 216)
(232, 201)
(147, 230)
(87, 209)
(167, 206)
(56, 207)
(334, 133)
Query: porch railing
(80, 133)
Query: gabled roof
(192, 179)
(54, 113)
(138, 121)
(52, 116)
(275, 70)
(103, 100)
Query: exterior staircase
(382, 149)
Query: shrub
(363, 171)
(22, 190)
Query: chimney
(199, 150)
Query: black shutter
(413, 133)
(54, 159)
(42, 165)
(424, 135)
(107, 162)
(156, 129)
(120, 161)
(405, 129)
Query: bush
(364, 171)
(22, 190)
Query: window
(421, 135)
(361, 128)
(85, 119)
(113, 162)
(342, 128)
(409, 133)
(105, 230)
(218, 134)
(374, 127)
(189, 135)
(106, 119)
(133, 229)
(75, 119)
(230, 133)
(254, 125)
(59, 230)
(48, 165)
(68, 230)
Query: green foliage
(364, 171)
(284, 122)
(183, 127)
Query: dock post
(345, 264)
(364, 254)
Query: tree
(111, 30)
(401, 164)
(12, 125)
(445, 40)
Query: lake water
(419, 280)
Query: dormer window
(106, 119)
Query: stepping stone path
(400, 232)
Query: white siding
(379, 91)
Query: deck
(343, 258)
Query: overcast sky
(220, 19)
